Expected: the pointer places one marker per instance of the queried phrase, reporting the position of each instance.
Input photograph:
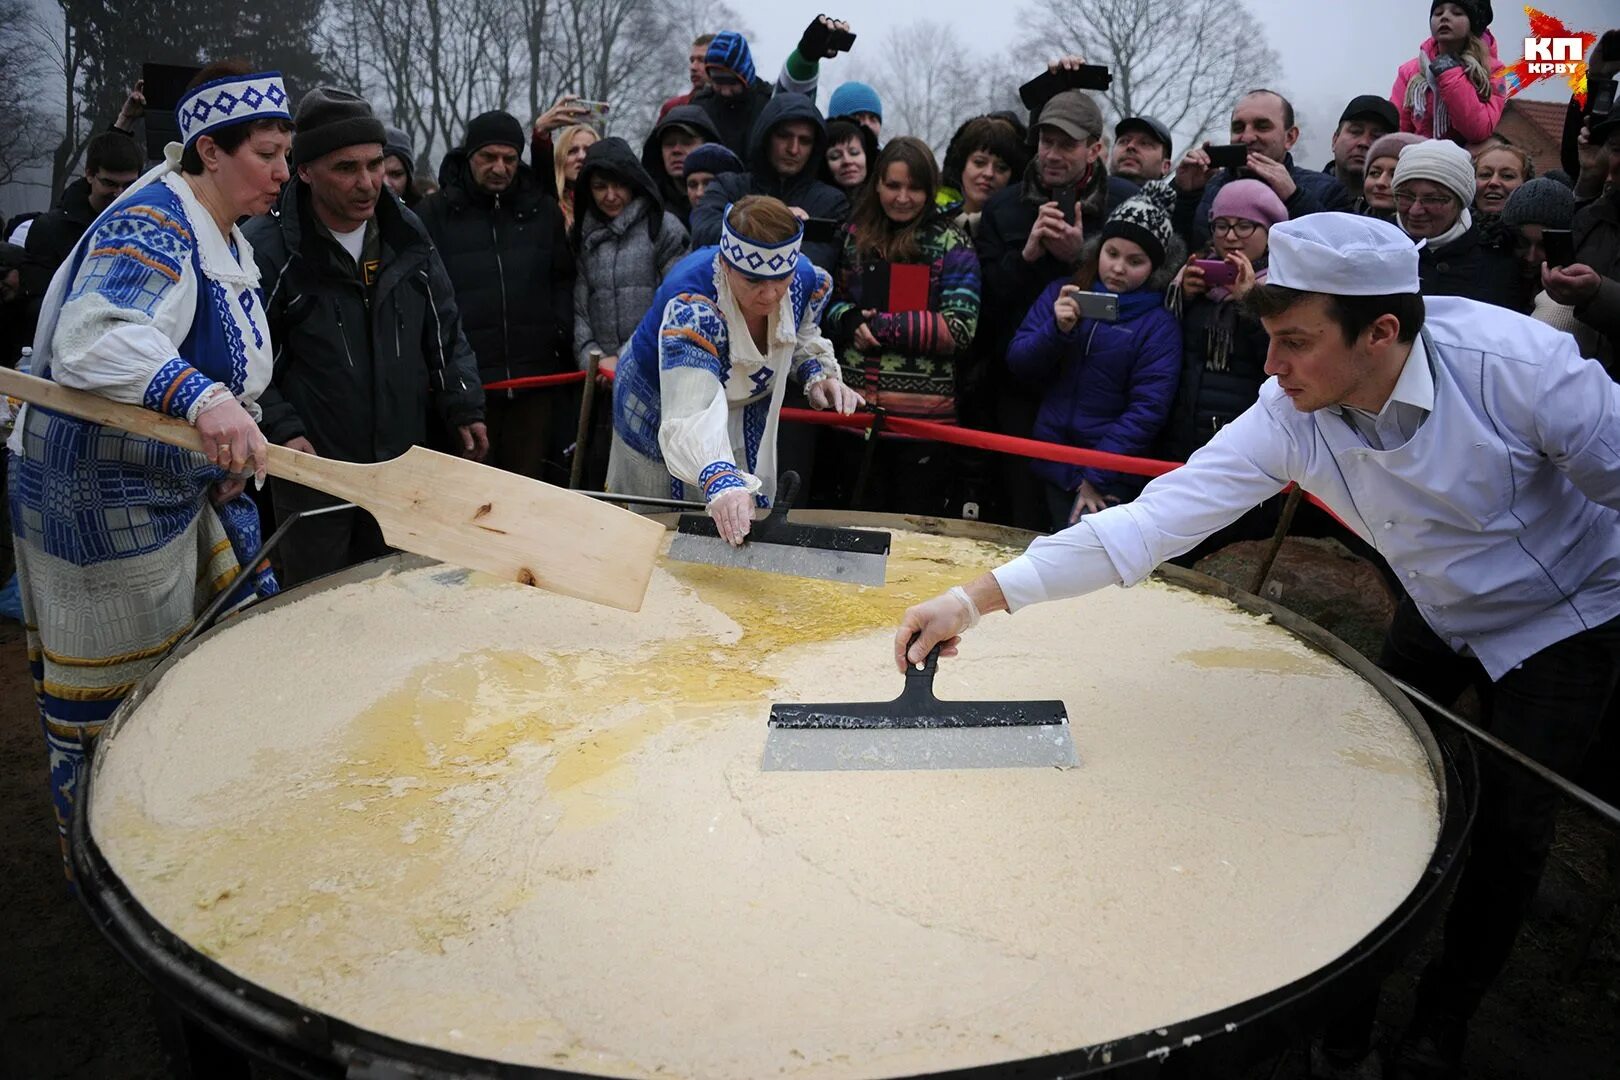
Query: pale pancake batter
(517, 826)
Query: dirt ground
(70, 1007)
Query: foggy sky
(1331, 50)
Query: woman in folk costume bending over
(700, 385)
(122, 541)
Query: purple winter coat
(1104, 386)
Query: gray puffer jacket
(620, 261)
(619, 270)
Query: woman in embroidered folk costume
(700, 385)
(122, 541)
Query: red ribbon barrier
(972, 438)
(987, 440)
(537, 382)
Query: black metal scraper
(776, 545)
(919, 731)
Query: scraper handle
(920, 680)
(787, 493)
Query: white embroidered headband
(235, 99)
(756, 259)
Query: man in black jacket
(1364, 121)
(365, 326)
(504, 244)
(112, 162)
(1263, 121)
(789, 140)
(1026, 242)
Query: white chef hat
(1342, 255)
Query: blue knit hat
(711, 157)
(852, 98)
(729, 50)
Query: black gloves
(816, 44)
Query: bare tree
(27, 136)
(607, 50)
(1183, 62)
(686, 19)
(434, 64)
(929, 81)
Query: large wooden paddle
(433, 504)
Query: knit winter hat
(493, 128)
(852, 98)
(711, 157)
(1248, 200)
(729, 50)
(1479, 13)
(398, 144)
(1441, 161)
(329, 119)
(1144, 219)
(1391, 145)
(1542, 201)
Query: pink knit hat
(1392, 144)
(1248, 200)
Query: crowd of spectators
(961, 270)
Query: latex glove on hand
(940, 621)
(733, 514)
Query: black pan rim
(310, 1043)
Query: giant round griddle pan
(289, 1036)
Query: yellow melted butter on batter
(378, 855)
(407, 777)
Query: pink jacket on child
(1462, 116)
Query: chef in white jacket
(1480, 454)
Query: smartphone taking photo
(1232, 157)
(1558, 245)
(1065, 198)
(1216, 271)
(1104, 307)
(820, 230)
(1043, 87)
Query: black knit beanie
(329, 119)
(1479, 13)
(1144, 219)
(493, 127)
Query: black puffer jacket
(509, 259)
(1472, 267)
(357, 376)
(1223, 365)
(51, 237)
(804, 191)
(673, 188)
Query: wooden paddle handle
(343, 479)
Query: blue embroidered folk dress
(695, 402)
(118, 544)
